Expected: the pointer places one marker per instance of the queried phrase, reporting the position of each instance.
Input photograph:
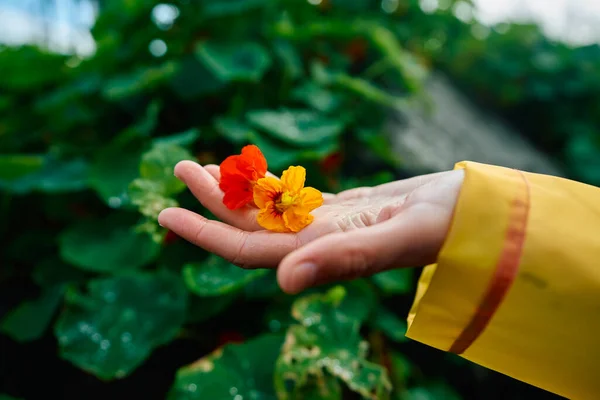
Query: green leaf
(431, 391)
(56, 176)
(237, 371)
(317, 97)
(30, 319)
(114, 326)
(389, 323)
(235, 131)
(368, 91)
(201, 309)
(158, 164)
(108, 245)
(264, 287)
(138, 81)
(53, 271)
(183, 139)
(277, 154)
(292, 63)
(216, 276)
(193, 80)
(327, 342)
(7, 397)
(360, 299)
(379, 144)
(410, 70)
(297, 127)
(239, 61)
(112, 172)
(19, 165)
(395, 281)
(223, 8)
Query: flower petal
(293, 178)
(230, 166)
(267, 190)
(235, 199)
(270, 219)
(310, 198)
(297, 219)
(255, 158)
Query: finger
(411, 239)
(261, 249)
(205, 188)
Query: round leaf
(157, 165)
(111, 174)
(109, 245)
(234, 61)
(238, 371)
(113, 327)
(297, 127)
(216, 276)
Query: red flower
(239, 175)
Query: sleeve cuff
(457, 296)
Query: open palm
(355, 233)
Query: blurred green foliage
(87, 153)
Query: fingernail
(304, 275)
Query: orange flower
(239, 174)
(285, 204)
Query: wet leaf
(108, 245)
(216, 276)
(112, 172)
(236, 371)
(112, 327)
(327, 342)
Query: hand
(355, 233)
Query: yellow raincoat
(516, 287)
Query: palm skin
(355, 233)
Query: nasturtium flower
(239, 174)
(285, 204)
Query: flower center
(284, 201)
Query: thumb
(410, 239)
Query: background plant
(99, 301)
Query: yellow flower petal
(266, 190)
(310, 198)
(270, 219)
(293, 178)
(296, 220)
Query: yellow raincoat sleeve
(516, 287)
